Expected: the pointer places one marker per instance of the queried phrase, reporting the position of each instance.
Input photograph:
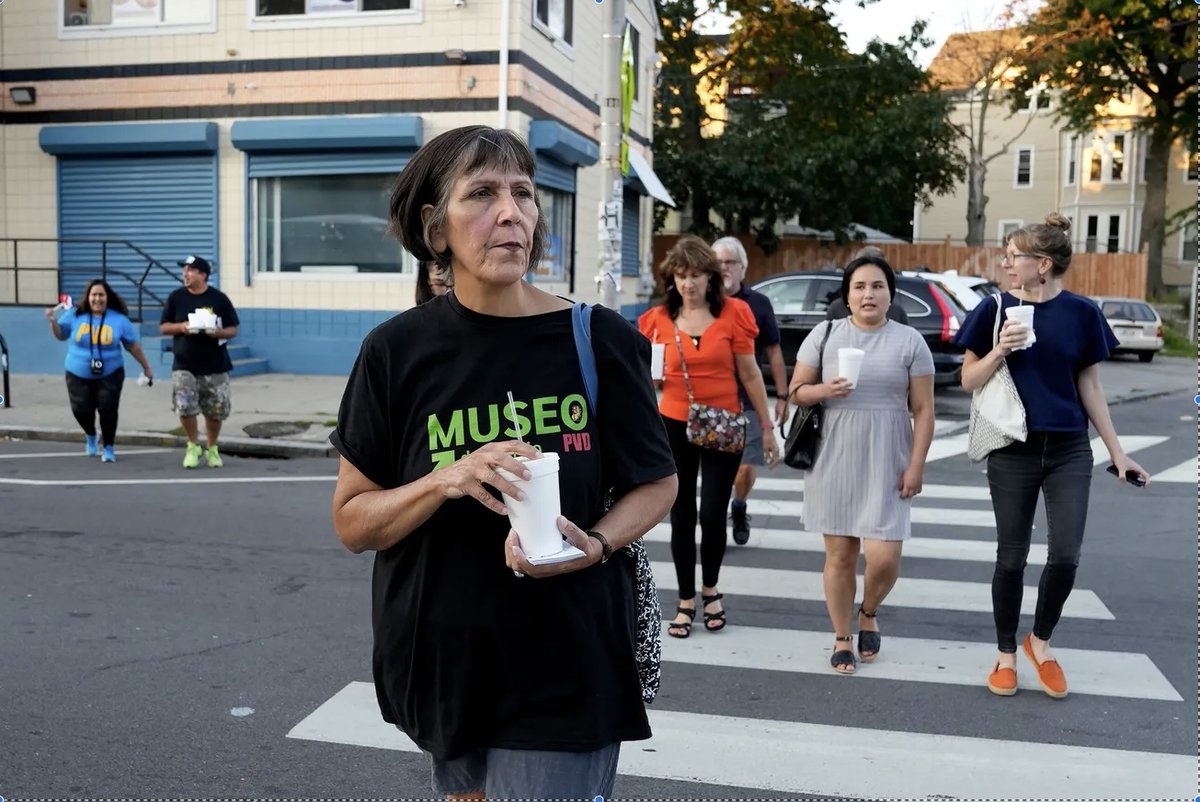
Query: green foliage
(812, 130)
(1176, 343)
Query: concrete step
(239, 351)
(249, 367)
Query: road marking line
(1183, 473)
(1128, 675)
(948, 492)
(925, 594)
(941, 516)
(182, 480)
(1130, 444)
(814, 758)
(930, 548)
(82, 456)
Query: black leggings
(89, 395)
(717, 470)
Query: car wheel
(1146, 356)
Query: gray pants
(528, 774)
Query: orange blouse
(711, 367)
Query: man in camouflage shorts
(201, 319)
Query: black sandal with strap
(843, 657)
(867, 640)
(686, 626)
(719, 617)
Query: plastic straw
(512, 410)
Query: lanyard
(96, 332)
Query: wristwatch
(605, 549)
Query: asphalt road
(164, 631)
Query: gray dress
(853, 487)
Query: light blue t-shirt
(92, 337)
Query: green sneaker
(212, 458)
(191, 457)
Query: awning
(638, 166)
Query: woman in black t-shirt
(1058, 381)
(519, 680)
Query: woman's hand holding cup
(1012, 336)
(515, 559)
(467, 476)
(838, 388)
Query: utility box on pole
(608, 276)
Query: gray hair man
(731, 255)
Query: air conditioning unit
(77, 18)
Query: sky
(890, 19)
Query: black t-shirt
(466, 655)
(199, 353)
(768, 331)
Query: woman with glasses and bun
(1058, 380)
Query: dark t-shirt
(1071, 335)
(466, 655)
(768, 330)
(199, 353)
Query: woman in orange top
(716, 338)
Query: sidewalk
(39, 408)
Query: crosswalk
(698, 743)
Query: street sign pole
(608, 276)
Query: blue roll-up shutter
(262, 165)
(629, 234)
(164, 205)
(556, 175)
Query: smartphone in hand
(1133, 477)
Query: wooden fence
(1118, 274)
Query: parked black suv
(800, 301)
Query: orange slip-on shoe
(1050, 673)
(1003, 680)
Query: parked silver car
(1136, 324)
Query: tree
(976, 68)
(1099, 54)
(809, 128)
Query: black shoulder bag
(804, 429)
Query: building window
(318, 8)
(1042, 99)
(1193, 164)
(1097, 165)
(555, 18)
(324, 224)
(1093, 228)
(558, 208)
(1024, 167)
(135, 13)
(1187, 247)
(1143, 144)
(1072, 154)
(1114, 233)
(1007, 227)
(1116, 169)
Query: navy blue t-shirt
(1071, 335)
(768, 330)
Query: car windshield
(1127, 310)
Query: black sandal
(867, 640)
(843, 657)
(686, 626)
(719, 617)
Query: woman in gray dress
(871, 458)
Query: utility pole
(608, 276)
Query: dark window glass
(1097, 165)
(275, 8)
(1117, 169)
(1114, 233)
(1093, 229)
(1024, 165)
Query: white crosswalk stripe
(953, 527)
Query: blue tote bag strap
(581, 324)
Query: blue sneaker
(109, 455)
(91, 445)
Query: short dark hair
(889, 275)
(425, 286)
(115, 301)
(691, 253)
(430, 174)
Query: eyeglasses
(1008, 259)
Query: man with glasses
(731, 256)
(201, 319)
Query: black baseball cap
(198, 263)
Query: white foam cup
(850, 364)
(657, 355)
(1023, 315)
(535, 519)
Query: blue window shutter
(629, 234)
(165, 205)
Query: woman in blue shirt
(95, 329)
(1058, 380)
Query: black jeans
(1059, 464)
(87, 396)
(716, 470)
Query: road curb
(241, 446)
